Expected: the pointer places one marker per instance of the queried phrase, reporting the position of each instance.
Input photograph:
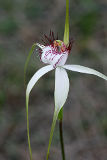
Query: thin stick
(61, 139)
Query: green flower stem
(66, 32)
(60, 117)
(61, 139)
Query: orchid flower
(55, 53)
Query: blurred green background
(22, 23)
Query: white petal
(82, 69)
(36, 77)
(61, 87)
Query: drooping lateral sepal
(36, 77)
(30, 85)
(82, 69)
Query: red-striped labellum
(54, 52)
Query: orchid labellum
(55, 52)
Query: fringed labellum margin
(55, 52)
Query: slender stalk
(61, 139)
(60, 117)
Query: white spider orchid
(55, 53)
(56, 56)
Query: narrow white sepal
(82, 69)
(36, 77)
(61, 87)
